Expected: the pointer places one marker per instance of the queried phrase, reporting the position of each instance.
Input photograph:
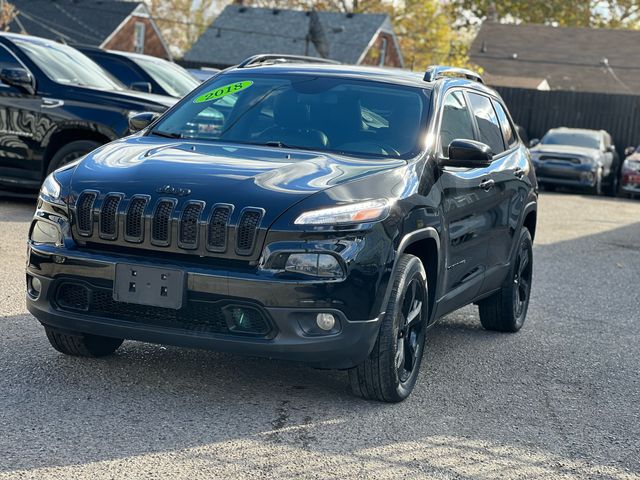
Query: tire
(388, 374)
(613, 188)
(596, 189)
(506, 310)
(81, 344)
(70, 152)
(549, 188)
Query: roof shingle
(87, 22)
(569, 58)
(239, 32)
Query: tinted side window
(487, 121)
(7, 60)
(119, 69)
(456, 121)
(507, 129)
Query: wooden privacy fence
(537, 111)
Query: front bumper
(284, 304)
(565, 173)
(630, 183)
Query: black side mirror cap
(140, 121)
(18, 77)
(533, 142)
(468, 154)
(145, 87)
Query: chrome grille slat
(217, 228)
(134, 221)
(161, 223)
(109, 216)
(247, 229)
(188, 236)
(84, 213)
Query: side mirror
(18, 77)
(141, 87)
(534, 142)
(468, 154)
(140, 121)
(629, 151)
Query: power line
(181, 22)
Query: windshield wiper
(160, 133)
(278, 143)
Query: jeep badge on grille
(178, 192)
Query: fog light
(325, 321)
(34, 286)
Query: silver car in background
(580, 158)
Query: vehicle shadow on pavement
(550, 400)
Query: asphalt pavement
(559, 399)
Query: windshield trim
(172, 68)
(419, 149)
(23, 43)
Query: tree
(566, 13)
(182, 21)
(7, 13)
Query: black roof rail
(434, 72)
(282, 58)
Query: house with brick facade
(352, 38)
(110, 24)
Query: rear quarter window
(508, 131)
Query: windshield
(66, 65)
(173, 78)
(574, 139)
(342, 115)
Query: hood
(565, 150)
(245, 176)
(128, 99)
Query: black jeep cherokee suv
(56, 105)
(319, 213)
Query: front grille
(108, 216)
(217, 231)
(575, 161)
(160, 229)
(166, 224)
(84, 209)
(195, 316)
(247, 228)
(135, 219)
(189, 225)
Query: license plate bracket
(153, 286)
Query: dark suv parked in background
(320, 213)
(56, 105)
(144, 72)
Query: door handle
(519, 172)
(487, 184)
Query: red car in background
(630, 173)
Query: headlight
(50, 189)
(362, 212)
